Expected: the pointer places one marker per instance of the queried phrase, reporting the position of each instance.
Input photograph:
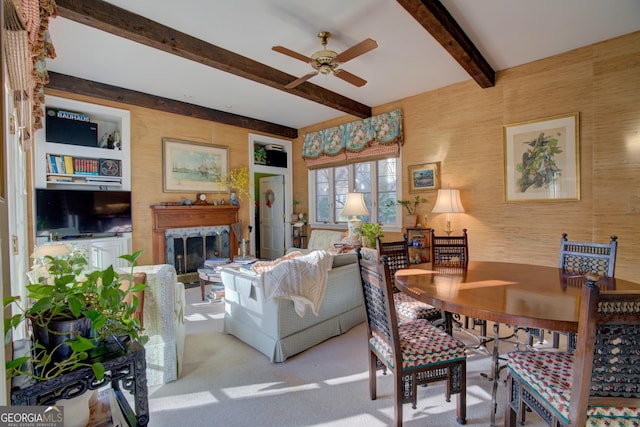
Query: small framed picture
(424, 177)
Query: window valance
(373, 138)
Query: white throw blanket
(302, 280)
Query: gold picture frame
(193, 166)
(541, 160)
(424, 177)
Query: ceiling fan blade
(349, 78)
(291, 53)
(300, 80)
(357, 50)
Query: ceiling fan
(327, 61)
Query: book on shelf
(68, 164)
(57, 164)
(59, 178)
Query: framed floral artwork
(541, 160)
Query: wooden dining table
(522, 295)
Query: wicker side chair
(595, 385)
(407, 308)
(581, 258)
(415, 352)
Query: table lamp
(448, 202)
(355, 206)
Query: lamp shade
(354, 205)
(448, 202)
(51, 249)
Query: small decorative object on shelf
(201, 199)
(419, 242)
(260, 156)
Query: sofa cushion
(343, 259)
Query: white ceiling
(407, 61)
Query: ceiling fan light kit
(327, 61)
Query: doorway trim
(274, 170)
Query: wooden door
(272, 217)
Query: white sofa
(274, 328)
(163, 317)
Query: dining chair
(453, 251)
(580, 258)
(407, 308)
(597, 385)
(416, 352)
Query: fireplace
(188, 248)
(185, 236)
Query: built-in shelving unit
(74, 162)
(63, 164)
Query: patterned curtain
(374, 138)
(25, 56)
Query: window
(378, 180)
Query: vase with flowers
(238, 182)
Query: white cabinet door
(101, 253)
(106, 252)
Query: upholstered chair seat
(422, 344)
(550, 375)
(409, 308)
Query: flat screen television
(66, 214)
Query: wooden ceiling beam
(437, 20)
(120, 22)
(132, 97)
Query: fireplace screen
(189, 248)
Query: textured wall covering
(461, 126)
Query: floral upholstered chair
(597, 385)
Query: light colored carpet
(227, 383)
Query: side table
(125, 367)
(209, 275)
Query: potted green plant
(72, 312)
(411, 219)
(371, 232)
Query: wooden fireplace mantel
(182, 216)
